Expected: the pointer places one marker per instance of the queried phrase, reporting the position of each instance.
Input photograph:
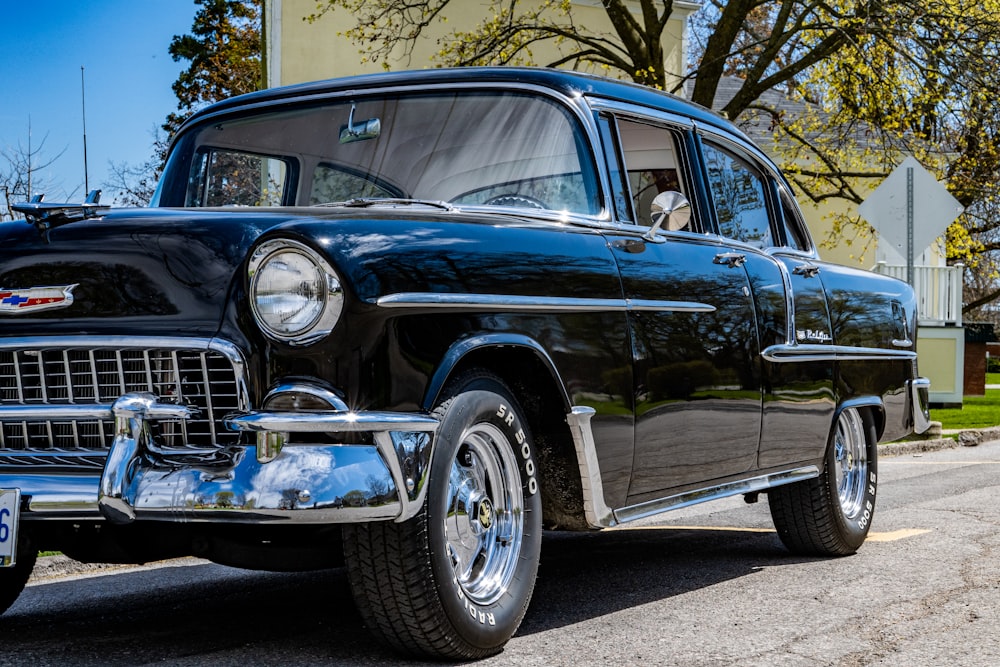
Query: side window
(231, 178)
(652, 164)
(795, 235)
(740, 198)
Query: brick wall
(975, 369)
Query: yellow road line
(894, 535)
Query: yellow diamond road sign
(933, 208)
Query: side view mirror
(671, 208)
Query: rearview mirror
(360, 131)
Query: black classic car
(407, 322)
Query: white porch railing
(938, 289)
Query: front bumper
(305, 482)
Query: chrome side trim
(783, 354)
(598, 514)
(919, 397)
(739, 487)
(505, 302)
(905, 342)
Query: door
(695, 347)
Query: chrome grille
(205, 379)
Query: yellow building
(299, 51)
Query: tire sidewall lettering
(510, 423)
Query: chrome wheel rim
(484, 522)
(850, 453)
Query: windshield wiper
(368, 202)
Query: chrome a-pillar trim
(736, 488)
(598, 514)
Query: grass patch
(976, 412)
(993, 378)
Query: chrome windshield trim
(739, 487)
(784, 354)
(507, 302)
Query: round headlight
(294, 294)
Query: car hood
(131, 271)
(171, 272)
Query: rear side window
(795, 235)
(738, 192)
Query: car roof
(567, 82)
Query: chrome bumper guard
(299, 482)
(919, 394)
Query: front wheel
(455, 581)
(831, 514)
(13, 579)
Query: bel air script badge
(18, 301)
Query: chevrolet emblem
(18, 301)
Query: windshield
(465, 148)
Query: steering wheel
(515, 201)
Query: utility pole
(83, 102)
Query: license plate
(10, 510)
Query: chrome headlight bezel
(329, 299)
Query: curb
(967, 438)
(916, 447)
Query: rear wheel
(831, 514)
(455, 581)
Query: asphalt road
(709, 585)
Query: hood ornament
(33, 299)
(44, 215)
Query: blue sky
(122, 44)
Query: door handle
(730, 259)
(806, 270)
